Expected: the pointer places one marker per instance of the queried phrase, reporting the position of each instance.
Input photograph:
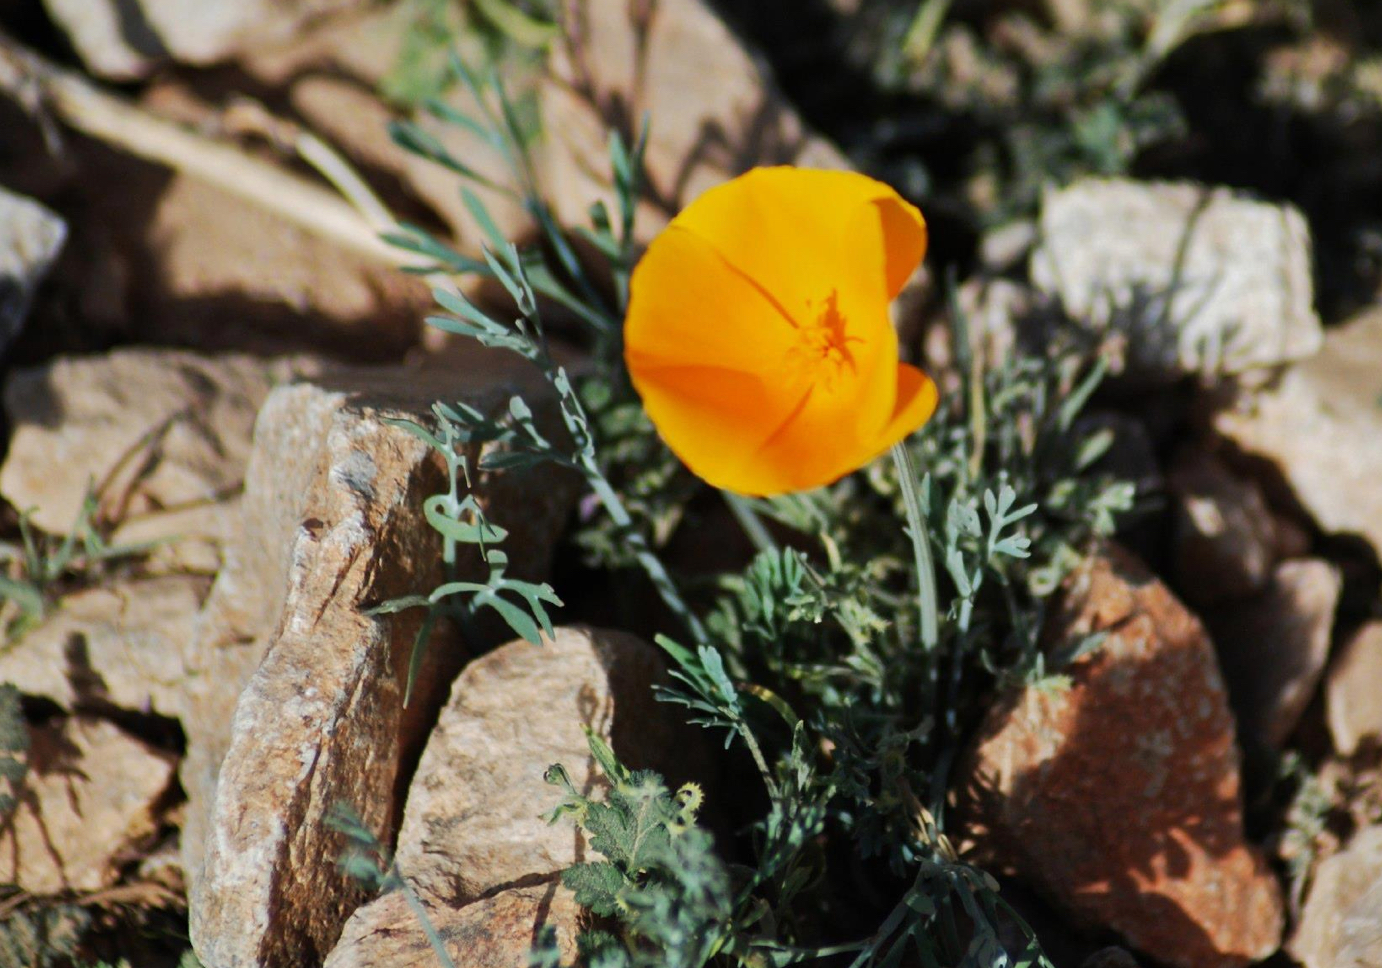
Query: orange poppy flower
(758, 333)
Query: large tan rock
(497, 932)
(1341, 922)
(126, 645)
(88, 801)
(1118, 797)
(1193, 279)
(473, 822)
(172, 260)
(213, 271)
(1318, 428)
(332, 526)
(715, 110)
(332, 76)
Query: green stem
(759, 759)
(750, 521)
(420, 912)
(651, 564)
(662, 581)
(927, 608)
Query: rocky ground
(200, 375)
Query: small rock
(715, 112)
(126, 645)
(496, 932)
(30, 239)
(333, 525)
(1352, 688)
(87, 802)
(1118, 797)
(993, 309)
(1006, 247)
(473, 824)
(1195, 280)
(156, 429)
(126, 39)
(1225, 536)
(1318, 430)
(1274, 646)
(1341, 923)
(472, 821)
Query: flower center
(822, 350)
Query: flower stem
(927, 608)
(750, 521)
(653, 567)
(651, 564)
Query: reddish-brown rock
(1118, 796)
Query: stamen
(822, 349)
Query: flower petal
(810, 237)
(809, 451)
(687, 306)
(904, 239)
(714, 420)
(703, 346)
(791, 229)
(917, 397)
(758, 331)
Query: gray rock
(1341, 922)
(1192, 279)
(1352, 690)
(30, 239)
(1274, 646)
(332, 526)
(1318, 429)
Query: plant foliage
(810, 658)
